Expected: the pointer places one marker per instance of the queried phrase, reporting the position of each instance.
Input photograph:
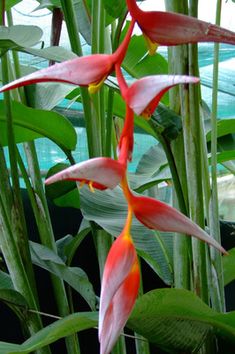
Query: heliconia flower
(144, 95)
(160, 216)
(119, 288)
(88, 71)
(100, 173)
(168, 28)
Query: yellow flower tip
(152, 46)
(81, 184)
(95, 86)
(146, 115)
(90, 185)
(135, 267)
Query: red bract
(160, 216)
(144, 95)
(119, 289)
(168, 28)
(89, 71)
(100, 173)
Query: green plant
(179, 129)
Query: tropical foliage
(121, 85)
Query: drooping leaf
(59, 329)
(19, 36)
(74, 276)
(31, 123)
(109, 210)
(176, 319)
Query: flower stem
(71, 24)
(218, 301)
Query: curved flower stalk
(144, 95)
(119, 288)
(168, 28)
(88, 71)
(160, 216)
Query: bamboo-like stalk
(41, 213)
(97, 46)
(218, 299)
(43, 221)
(182, 247)
(12, 253)
(72, 28)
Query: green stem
(17, 210)
(42, 216)
(72, 28)
(109, 124)
(14, 262)
(194, 163)
(182, 245)
(218, 301)
(97, 46)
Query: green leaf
(152, 169)
(176, 319)
(167, 122)
(10, 3)
(47, 4)
(13, 298)
(19, 36)
(228, 267)
(115, 8)
(59, 329)
(63, 193)
(224, 156)
(74, 276)
(50, 53)
(47, 95)
(5, 281)
(68, 245)
(109, 210)
(84, 20)
(32, 123)
(224, 127)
